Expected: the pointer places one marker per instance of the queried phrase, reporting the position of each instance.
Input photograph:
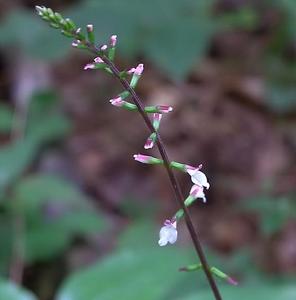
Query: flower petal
(199, 178)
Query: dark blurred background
(79, 218)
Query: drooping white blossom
(168, 233)
(197, 192)
(198, 177)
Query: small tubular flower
(197, 192)
(113, 40)
(117, 102)
(168, 233)
(98, 60)
(137, 71)
(145, 159)
(197, 176)
(89, 66)
(104, 47)
(164, 108)
(150, 142)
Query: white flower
(198, 177)
(168, 233)
(197, 192)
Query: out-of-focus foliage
(10, 291)
(140, 269)
(272, 212)
(268, 291)
(44, 125)
(53, 210)
(6, 116)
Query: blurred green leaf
(281, 97)
(55, 211)
(6, 117)
(273, 213)
(44, 125)
(6, 234)
(14, 158)
(139, 270)
(244, 18)
(10, 291)
(246, 292)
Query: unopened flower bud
(98, 60)
(231, 281)
(104, 47)
(150, 141)
(89, 66)
(117, 102)
(113, 40)
(131, 71)
(164, 108)
(156, 120)
(139, 70)
(145, 159)
(76, 43)
(89, 28)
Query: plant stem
(161, 147)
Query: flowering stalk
(69, 30)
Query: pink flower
(164, 108)
(145, 159)
(231, 281)
(89, 28)
(131, 71)
(90, 66)
(113, 40)
(149, 143)
(104, 47)
(117, 102)
(157, 117)
(76, 43)
(139, 69)
(98, 60)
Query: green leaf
(14, 159)
(273, 213)
(6, 117)
(260, 291)
(55, 211)
(10, 291)
(139, 270)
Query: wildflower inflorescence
(152, 116)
